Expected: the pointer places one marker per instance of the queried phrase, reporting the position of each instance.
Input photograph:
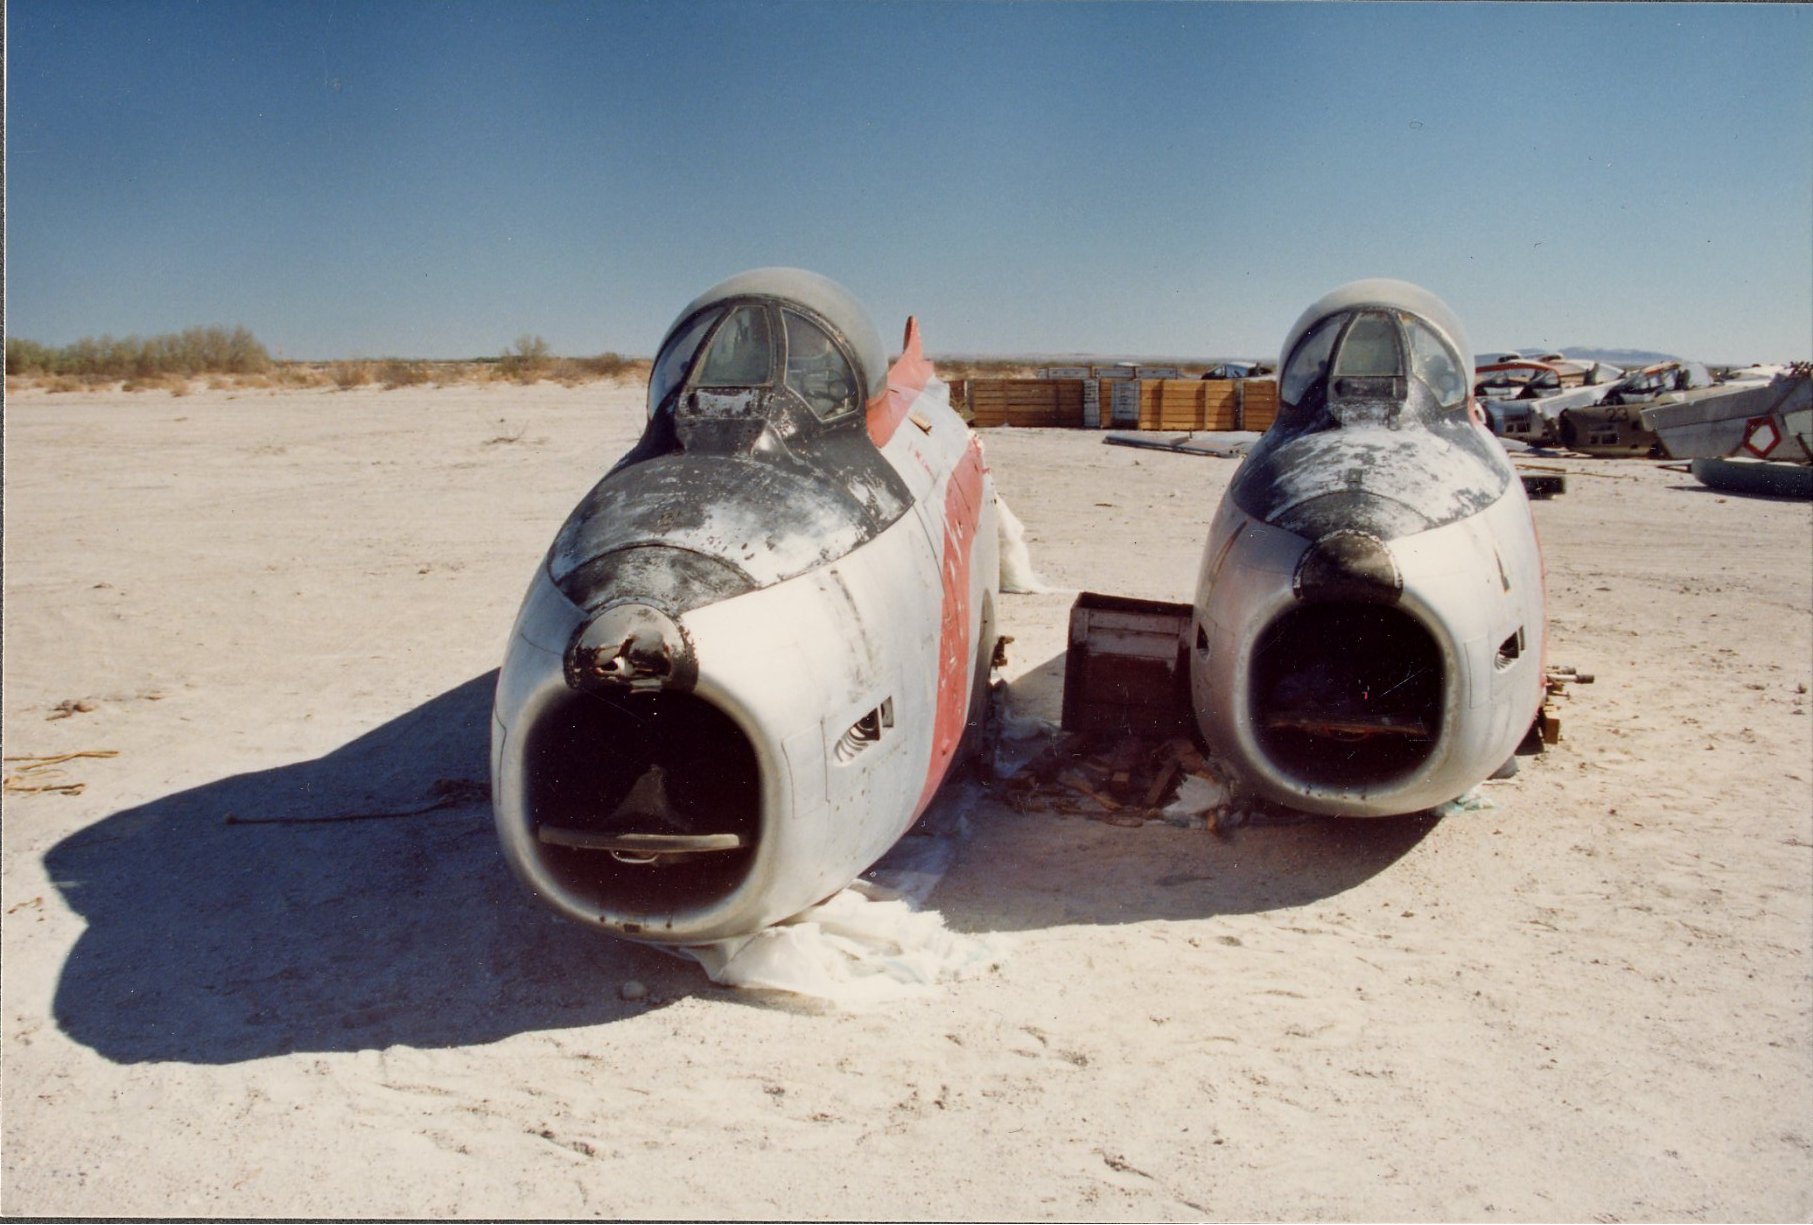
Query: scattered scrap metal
(1556, 681)
(1123, 780)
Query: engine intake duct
(1347, 694)
(643, 802)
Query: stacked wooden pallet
(1259, 403)
(1164, 404)
(1188, 404)
(1026, 402)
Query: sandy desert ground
(1593, 1001)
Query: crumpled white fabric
(1017, 575)
(855, 951)
(1196, 795)
(1468, 801)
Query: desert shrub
(27, 356)
(347, 375)
(64, 382)
(291, 374)
(526, 360)
(447, 374)
(606, 365)
(199, 350)
(394, 374)
(175, 384)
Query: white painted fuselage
(1369, 610)
(817, 714)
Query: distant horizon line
(1626, 356)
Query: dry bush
(526, 361)
(28, 356)
(192, 351)
(569, 373)
(395, 373)
(449, 374)
(347, 375)
(175, 384)
(64, 382)
(614, 366)
(292, 374)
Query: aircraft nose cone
(631, 647)
(1348, 566)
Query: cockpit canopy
(769, 329)
(1374, 431)
(1375, 342)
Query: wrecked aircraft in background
(1614, 425)
(1523, 398)
(1752, 434)
(1592, 408)
(1715, 421)
(755, 648)
(1368, 629)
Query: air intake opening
(643, 803)
(1347, 695)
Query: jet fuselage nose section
(1370, 604)
(727, 689)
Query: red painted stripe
(907, 378)
(956, 653)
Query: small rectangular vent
(1509, 650)
(864, 732)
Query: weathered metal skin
(1369, 610)
(1389, 460)
(764, 522)
(752, 650)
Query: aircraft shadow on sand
(1024, 872)
(215, 942)
(209, 942)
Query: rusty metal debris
(1556, 681)
(1123, 780)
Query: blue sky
(435, 179)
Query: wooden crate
(1027, 402)
(960, 399)
(1258, 403)
(1187, 404)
